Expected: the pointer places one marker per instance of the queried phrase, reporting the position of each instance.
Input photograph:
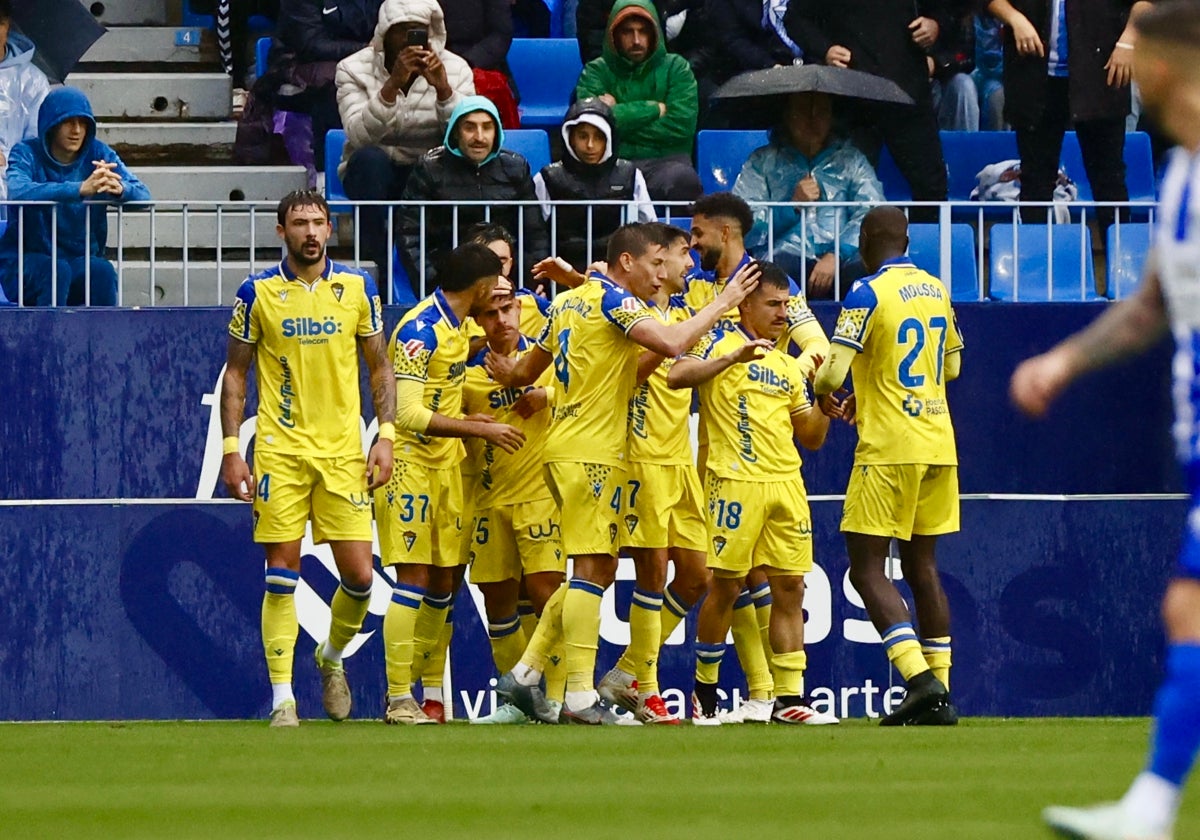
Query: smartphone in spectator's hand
(418, 38)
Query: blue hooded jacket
(34, 175)
(469, 105)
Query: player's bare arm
(1125, 329)
(412, 415)
(647, 363)
(689, 371)
(809, 427)
(517, 373)
(235, 473)
(559, 271)
(531, 402)
(675, 339)
(383, 397)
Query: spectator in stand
(653, 97)
(805, 163)
(481, 31)
(472, 165)
(590, 171)
(395, 97)
(1065, 68)
(64, 244)
(889, 38)
(311, 38)
(951, 63)
(752, 37)
(22, 89)
(989, 72)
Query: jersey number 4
(561, 372)
(913, 331)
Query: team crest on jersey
(409, 538)
(612, 532)
(412, 347)
(631, 522)
(718, 545)
(338, 290)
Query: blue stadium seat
(402, 293)
(335, 193)
(1139, 166)
(1128, 246)
(261, 47)
(1072, 243)
(895, 185)
(925, 250)
(721, 154)
(545, 70)
(967, 152)
(533, 143)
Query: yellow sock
(674, 611)
(529, 619)
(581, 633)
(431, 620)
(547, 639)
(434, 669)
(747, 641)
(904, 650)
(508, 642)
(347, 611)
(398, 627)
(645, 637)
(936, 651)
(556, 674)
(279, 625)
(760, 596)
(708, 661)
(788, 669)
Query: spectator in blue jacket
(68, 165)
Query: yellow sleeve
(811, 340)
(832, 374)
(411, 413)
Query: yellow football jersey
(704, 286)
(595, 365)
(747, 410)
(430, 346)
(658, 416)
(534, 310)
(306, 362)
(503, 479)
(902, 325)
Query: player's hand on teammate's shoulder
(740, 285)
(379, 464)
(531, 402)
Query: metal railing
(198, 252)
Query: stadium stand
(925, 250)
(1127, 247)
(1055, 263)
(532, 143)
(545, 70)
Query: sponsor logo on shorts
(391, 497)
(254, 527)
(409, 538)
(360, 501)
(612, 532)
(631, 522)
(718, 545)
(597, 488)
(805, 527)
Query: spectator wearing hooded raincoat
(22, 89)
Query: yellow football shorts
(419, 516)
(663, 508)
(589, 501)
(758, 523)
(508, 541)
(900, 500)
(292, 489)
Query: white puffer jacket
(417, 121)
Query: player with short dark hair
(302, 324)
(898, 334)
(594, 338)
(754, 402)
(419, 511)
(1166, 68)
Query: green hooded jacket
(638, 88)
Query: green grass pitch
(985, 779)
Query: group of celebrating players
(516, 433)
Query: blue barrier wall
(151, 611)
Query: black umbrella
(837, 81)
(61, 30)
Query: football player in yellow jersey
(515, 532)
(594, 338)
(754, 399)
(898, 336)
(419, 511)
(663, 514)
(719, 226)
(302, 324)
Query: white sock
(330, 654)
(526, 675)
(281, 693)
(577, 701)
(1153, 800)
(392, 699)
(434, 693)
